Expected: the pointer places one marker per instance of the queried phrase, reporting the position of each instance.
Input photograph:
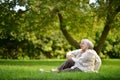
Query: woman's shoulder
(78, 49)
(74, 51)
(92, 51)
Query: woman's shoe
(55, 70)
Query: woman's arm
(97, 63)
(92, 55)
(72, 53)
(70, 56)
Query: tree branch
(69, 38)
(118, 9)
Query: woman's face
(83, 45)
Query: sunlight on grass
(29, 70)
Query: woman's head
(86, 44)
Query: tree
(46, 26)
(12, 32)
(66, 34)
(112, 8)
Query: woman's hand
(70, 56)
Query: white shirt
(88, 61)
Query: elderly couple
(83, 60)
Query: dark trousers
(66, 66)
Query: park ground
(29, 70)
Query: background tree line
(48, 29)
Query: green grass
(29, 70)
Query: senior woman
(84, 59)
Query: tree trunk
(69, 38)
(110, 17)
(103, 37)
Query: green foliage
(111, 47)
(34, 33)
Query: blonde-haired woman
(84, 59)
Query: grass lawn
(29, 70)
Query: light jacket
(88, 61)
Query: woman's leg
(71, 70)
(67, 64)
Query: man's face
(83, 45)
